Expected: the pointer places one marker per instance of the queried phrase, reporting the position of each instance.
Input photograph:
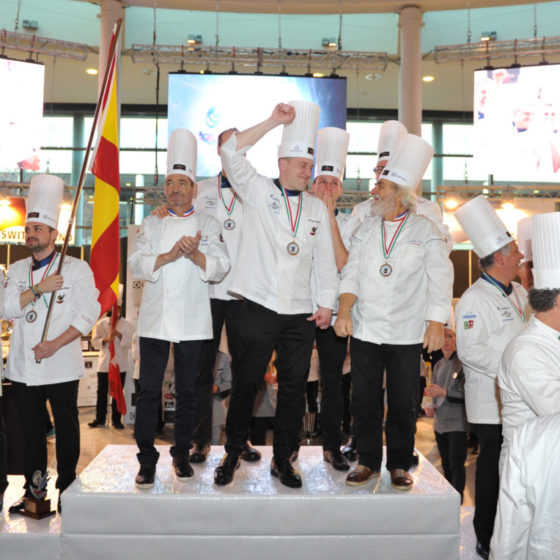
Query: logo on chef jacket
(60, 298)
(210, 203)
(137, 284)
(505, 312)
(274, 204)
(221, 238)
(468, 321)
(313, 230)
(204, 240)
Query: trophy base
(37, 509)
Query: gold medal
(229, 224)
(385, 270)
(293, 248)
(31, 316)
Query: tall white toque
(524, 236)
(44, 200)
(546, 256)
(181, 154)
(389, 135)
(332, 147)
(408, 162)
(483, 226)
(298, 137)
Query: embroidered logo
(313, 230)
(468, 324)
(221, 238)
(60, 298)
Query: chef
(529, 376)
(489, 314)
(285, 231)
(389, 135)
(177, 256)
(395, 296)
(217, 198)
(50, 369)
(332, 147)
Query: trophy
(308, 425)
(37, 506)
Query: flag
(105, 232)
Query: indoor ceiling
(317, 6)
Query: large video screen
(207, 104)
(517, 125)
(21, 111)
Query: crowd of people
(279, 269)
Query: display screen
(21, 111)
(207, 104)
(516, 119)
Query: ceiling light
(428, 79)
(318, 75)
(92, 71)
(451, 203)
(329, 43)
(489, 36)
(194, 39)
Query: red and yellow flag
(105, 232)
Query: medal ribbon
(294, 226)
(185, 215)
(518, 307)
(229, 209)
(403, 219)
(46, 273)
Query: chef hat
(524, 235)
(389, 135)
(181, 154)
(408, 162)
(44, 200)
(120, 296)
(483, 226)
(546, 256)
(332, 147)
(298, 137)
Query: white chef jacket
(527, 526)
(424, 207)
(529, 377)
(175, 298)
(76, 306)
(393, 309)
(122, 345)
(265, 272)
(485, 322)
(210, 202)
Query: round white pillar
(111, 11)
(410, 75)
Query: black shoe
(336, 459)
(199, 454)
(95, 423)
(294, 455)
(118, 425)
(482, 550)
(414, 460)
(284, 470)
(145, 476)
(19, 506)
(349, 451)
(250, 454)
(182, 468)
(224, 471)
(59, 504)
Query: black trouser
(259, 426)
(347, 415)
(3, 451)
(102, 391)
(154, 355)
(332, 353)
(402, 363)
(256, 332)
(453, 450)
(487, 480)
(311, 394)
(31, 400)
(221, 312)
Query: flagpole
(82, 174)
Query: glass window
(363, 136)
(142, 162)
(360, 166)
(141, 132)
(56, 161)
(57, 131)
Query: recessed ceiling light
(92, 71)
(318, 75)
(373, 77)
(428, 79)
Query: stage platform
(255, 517)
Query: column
(410, 76)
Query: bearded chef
(529, 376)
(489, 314)
(177, 256)
(395, 298)
(389, 135)
(286, 245)
(332, 147)
(29, 285)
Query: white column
(410, 76)
(111, 11)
